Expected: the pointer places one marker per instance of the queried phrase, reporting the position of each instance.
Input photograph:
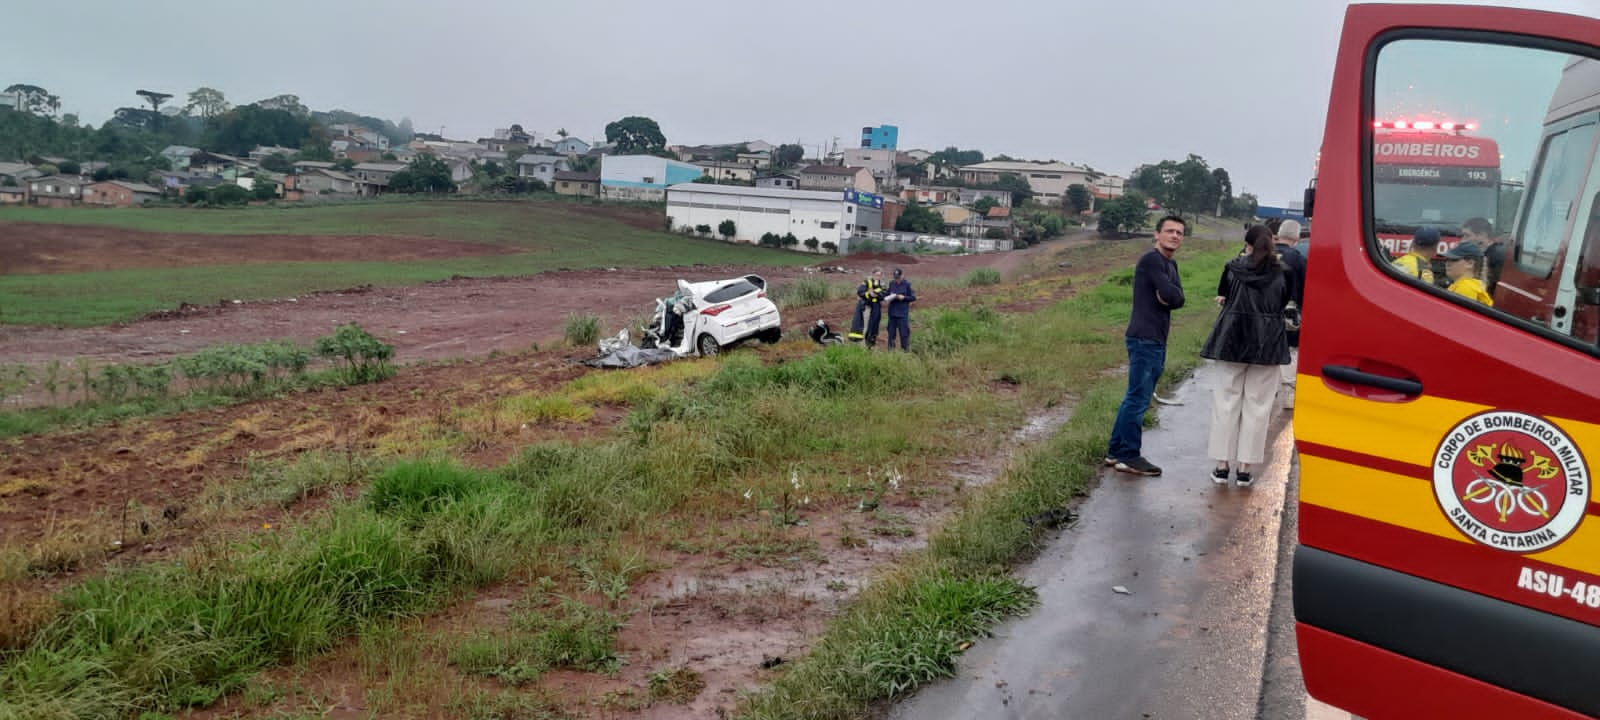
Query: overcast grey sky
(1114, 84)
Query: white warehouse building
(827, 215)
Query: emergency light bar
(1423, 125)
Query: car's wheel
(770, 335)
(707, 346)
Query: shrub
(582, 329)
(811, 244)
(981, 276)
(362, 357)
(831, 247)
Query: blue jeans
(1146, 360)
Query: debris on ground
(1120, 590)
(618, 352)
(1052, 518)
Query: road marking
(1322, 711)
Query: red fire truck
(1448, 563)
(1431, 172)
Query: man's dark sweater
(1157, 291)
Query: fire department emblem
(1511, 481)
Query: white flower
(747, 494)
(806, 501)
(794, 478)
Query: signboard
(864, 199)
(1436, 174)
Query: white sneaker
(1288, 397)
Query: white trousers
(1288, 371)
(1242, 404)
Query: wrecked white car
(704, 317)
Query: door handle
(1347, 374)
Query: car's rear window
(729, 292)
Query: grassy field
(538, 223)
(708, 449)
(551, 234)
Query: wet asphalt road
(1190, 639)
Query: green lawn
(553, 234)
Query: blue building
(882, 137)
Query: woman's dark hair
(1262, 248)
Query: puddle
(977, 471)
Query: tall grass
(803, 292)
(171, 635)
(907, 629)
(581, 329)
(981, 276)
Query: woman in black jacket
(1249, 342)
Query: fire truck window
(1487, 148)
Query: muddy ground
(725, 619)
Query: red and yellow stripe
(1368, 494)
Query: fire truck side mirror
(1310, 198)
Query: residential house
(360, 133)
(971, 196)
(263, 152)
(374, 176)
(918, 155)
(582, 184)
(998, 218)
(879, 161)
(931, 195)
(642, 177)
(304, 165)
(728, 171)
(829, 216)
(210, 163)
(55, 191)
(760, 160)
(571, 146)
(324, 181)
(460, 169)
(784, 180)
(119, 193)
(1048, 180)
(954, 215)
(178, 181)
(403, 154)
(10, 101)
(541, 167)
(759, 146)
(837, 177)
(17, 173)
(13, 194)
(178, 155)
(698, 153)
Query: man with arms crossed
(1157, 291)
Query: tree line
(130, 141)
